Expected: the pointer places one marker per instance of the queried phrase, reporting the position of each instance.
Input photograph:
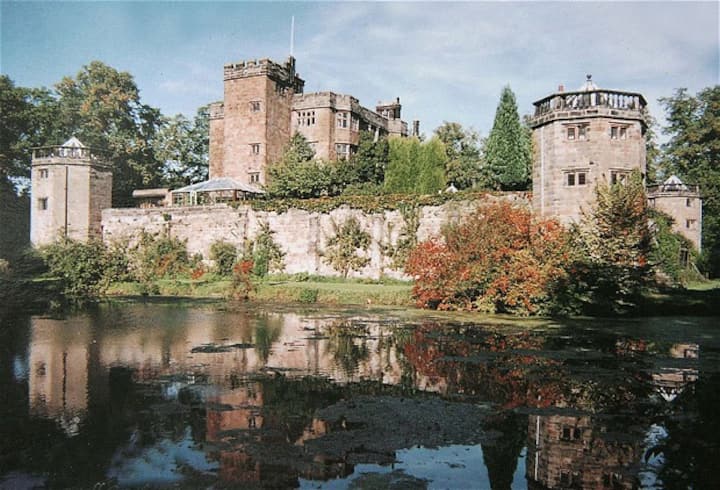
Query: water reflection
(157, 395)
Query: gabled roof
(220, 184)
(74, 143)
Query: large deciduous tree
(182, 146)
(693, 153)
(297, 174)
(102, 107)
(462, 147)
(507, 150)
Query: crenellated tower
(581, 138)
(71, 185)
(251, 127)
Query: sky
(446, 61)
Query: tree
(507, 150)
(463, 155)
(613, 242)
(297, 175)
(102, 107)
(371, 159)
(345, 247)
(415, 167)
(182, 146)
(28, 118)
(693, 153)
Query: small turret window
(255, 148)
(43, 172)
(255, 106)
(42, 203)
(342, 119)
(618, 132)
(576, 178)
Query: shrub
(80, 266)
(267, 256)
(499, 259)
(224, 255)
(308, 295)
(155, 257)
(242, 284)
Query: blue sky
(446, 61)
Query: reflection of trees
(348, 345)
(267, 330)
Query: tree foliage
(499, 259)
(80, 266)
(613, 244)
(693, 153)
(345, 249)
(298, 175)
(369, 162)
(667, 247)
(224, 255)
(182, 147)
(415, 167)
(462, 148)
(264, 251)
(508, 155)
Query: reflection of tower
(669, 382)
(58, 377)
(569, 452)
(232, 410)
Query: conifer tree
(507, 151)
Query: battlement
(282, 74)
(48, 155)
(589, 103)
(216, 110)
(389, 110)
(324, 99)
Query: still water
(194, 396)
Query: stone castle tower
(71, 185)
(582, 138)
(250, 129)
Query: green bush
(80, 266)
(224, 254)
(155, 257)
(308, 295)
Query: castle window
(306, 118)
(571, 433)
(688, 202)
(618, 177)
(571, 133)
(355, 123)
(342, 150)
(255, 106)
(42, 203)
(255, 148)
(576, 178)
(342, 119)
(582, 132)
(43, 173)
(618, 132)
(254, 177)
(690, 224)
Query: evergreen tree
(507, 150)
(369, 162)
(693, 153)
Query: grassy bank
(333, 291)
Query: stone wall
(302, 235)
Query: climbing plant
(345, 247)
(407, 237)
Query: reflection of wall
(573, 452)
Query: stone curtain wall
(301, 234)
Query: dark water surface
(171, 395)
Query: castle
(264, 105)
(580, 138)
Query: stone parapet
(585, 104)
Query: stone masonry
(581, 139)
(302, 235)
(264, 105)
(71, 185)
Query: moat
(196, 395)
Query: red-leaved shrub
(499, 259)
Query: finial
(589, 77)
